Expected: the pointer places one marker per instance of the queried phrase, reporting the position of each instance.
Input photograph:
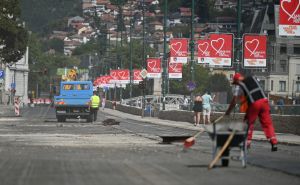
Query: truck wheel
(61, 119)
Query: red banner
(216, 51)
(178, 50)
(124, 76)
(255, 50)
(175, 70)
(137, 76)
(114, 76)
(153, 67)
(289, 18)
(203, 47)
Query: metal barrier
(177, 102)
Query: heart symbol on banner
(203, 47)
(217, 45)
(176, 47)
(174, 68)
(114, 75)
(286, 2)
(252, 46)
(121, 74)
(152, 65)
(136, 75)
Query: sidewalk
(283, 138)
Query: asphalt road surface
(37, 150)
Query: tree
(180, 86)
(219, 83)
(13, 35)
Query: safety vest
(252, 89)
(95, 101)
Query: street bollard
(17, 106)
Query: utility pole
(238, 41)
(164, 62)
(192, 44)
(192, 48)
(144, 49)
(130, 53)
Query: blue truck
(73, 100)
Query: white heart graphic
(287, 12)
(151, 65)
(252, 50)
(212, 42)
(114, 75)
(174, 68)
(136, 75)
(121, 74)
(176, 45)
(205, 44)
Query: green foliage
(13, 36)
(43, 16)
(56, 44)
(219, 83)
(39, 61)
(201, 76)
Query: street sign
(13, 85)
(191, 86)
(1, 73)
(144, 73)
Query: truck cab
(73, 100)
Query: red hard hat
(236, 77)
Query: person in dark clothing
(197, 108)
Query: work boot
(274, 147)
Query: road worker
(94, 105)
(258, 106)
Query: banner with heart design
(179, 50)
(103, 81)
(124, 76)
(153, 67)
(220, 50)
(289, 18)
(137, 76)
(203, 46)
(255, 50)
(175, 70)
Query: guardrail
(177, 102)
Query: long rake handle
(229, 139)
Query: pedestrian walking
(206, 101)
(258, 106)
(280, 104)
(94, 105)
(197, 108)
(103, 102)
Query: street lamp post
(164, 62)
(238, 42)
(130, 53)
(192, 48)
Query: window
(282, 86)
(272, 84)
(297, 86)
(83, 87)
(298, 69)
(283, 67)
(283, 49)
(296, 49)
(262, 84)
(68, 87)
